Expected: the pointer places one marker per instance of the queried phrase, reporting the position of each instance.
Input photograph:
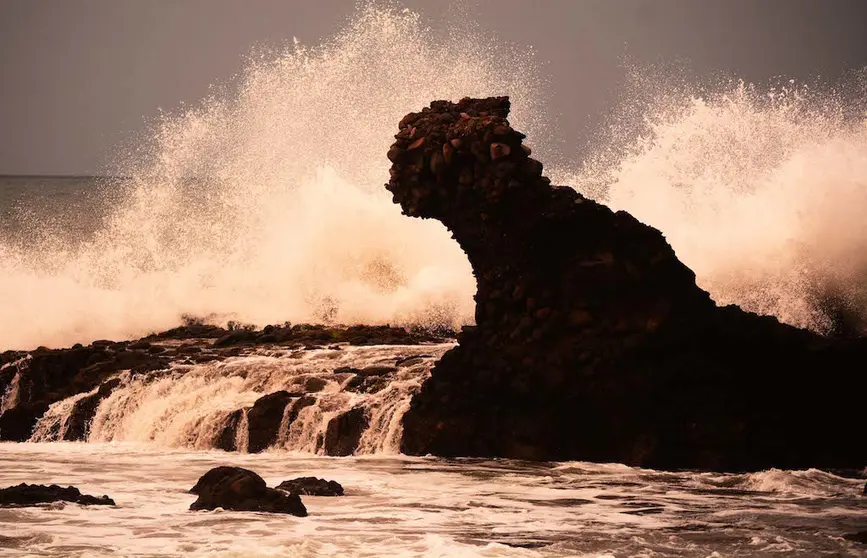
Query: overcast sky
(79, 76)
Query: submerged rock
(311, 486)
(237, 489)
(592, 340)
(33, 494)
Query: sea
(264, 204)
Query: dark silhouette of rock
(264, 419)
(344, 432)
(33, 494)
(226, 439)
(311, 486)
(233, 488)
(592, 340)
(859, 537)
(84, 409)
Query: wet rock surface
(34, 494)
(237, 489)
(592, 341)
(311, 486)
(344, 432)
(30, 382)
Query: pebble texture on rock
(592, 340)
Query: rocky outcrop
(234, 488)
(311, 486)
(264, 419)
(30, 382)
(84, 410)
(344, 432)
(34, 494)
(592, 340)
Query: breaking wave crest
(760, 190)
(264, 202)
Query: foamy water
(267, 203)
(758, 189)
(399, 506)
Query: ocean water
(401, 506)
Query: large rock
(34, 494)
(592, 340)
(344, 431)
(234, 488)
(264, 419)
(311, 486)
(83, 411)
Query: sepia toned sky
(77, 77)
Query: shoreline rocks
(30, 382)
(311, 486)
(237, 489)
(35, 494)
(592, 340)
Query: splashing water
(760, 191)
(266, 204)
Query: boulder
(237, 489)
(592, 340)
(344, 432)
(264, 419)
(34, 494)
(83, 411)
(311, 486)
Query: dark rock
(860, 537)
(226, 439)
(264, 419)
(33, 494)
(16, 424)
(314, 384)
(592, 341)
(84, 409)
(233, 488)
(311, 486)
(376, 371)
(344, 432)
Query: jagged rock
(84, 409)
(592, 340)
(233, 488)
(226, 439)
(33, 494)
(311, 486)
(264, 419)
(344, 432)
(16, 424)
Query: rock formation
(32, 381)
(34, 494)
(311, 486)
(592, 340)
(234, 488)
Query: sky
(79, 77)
